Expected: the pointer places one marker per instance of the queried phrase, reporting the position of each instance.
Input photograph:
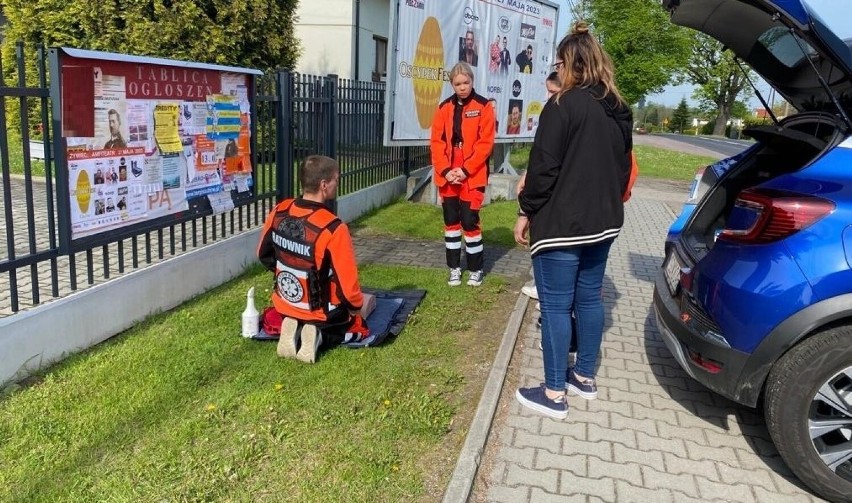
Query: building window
(380, 70)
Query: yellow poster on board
(166, 128)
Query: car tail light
(687, 274)
(765, 215)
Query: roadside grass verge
(653, 162)
(426, 221)
(180, 408)
(669, 164)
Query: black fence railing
(297, 115)
(344, 119)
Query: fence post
(406, 161)
(330, 138)
(284, 135)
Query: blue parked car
(754, 296)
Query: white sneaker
(311, 341)
(530, 291)
(475, 278)
(455, 277)
(287, 340)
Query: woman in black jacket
(571, 205)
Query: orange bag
(634, 173)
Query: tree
(680, 117)
(721, 81)
(652, 115)
(251, 33)
(646, 48)
(248, 33)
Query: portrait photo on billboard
(505, 55)
(468, 51)
(494, 54)
(513, 118)
(525, 58)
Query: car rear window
(782, 44)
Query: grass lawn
(180, 408)
(653, 162)
(16, 159)
(425, 221)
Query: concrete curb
(461, 482)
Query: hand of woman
(459, 175)
(520, 231)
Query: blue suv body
(754, 297)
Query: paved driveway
(654, 434)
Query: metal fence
(344, 119)
(297, 115)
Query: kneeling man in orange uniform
(310, 250)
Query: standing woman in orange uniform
(462, 139)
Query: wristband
(521, 213)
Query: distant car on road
(754, 296)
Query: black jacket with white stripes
(578, 169)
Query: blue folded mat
(393, 307)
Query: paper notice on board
(172, 171)
(242, 183)
(221, 202)
(139, 124)
(236, 85)
(111, 125)
(153, 173)
(223, 119)
(193, 118)
(166, 128)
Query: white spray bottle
(251, 318)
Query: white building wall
(325, 29)
(375, 20)
(327, 32)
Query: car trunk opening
(781, 149)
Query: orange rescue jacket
(311, 252)
(478, 130)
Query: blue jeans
(566, 279)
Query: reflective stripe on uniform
(295, 272)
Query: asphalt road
(724, 146)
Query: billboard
(508, 43)
(146, 138)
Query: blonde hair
(461, 68)
(586, 63)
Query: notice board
(143, 141)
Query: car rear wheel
(809, 411)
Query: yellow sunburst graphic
(429, 54)
(84, 194)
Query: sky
(837, 15)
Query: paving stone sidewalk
(514, 262)
(654, 434)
